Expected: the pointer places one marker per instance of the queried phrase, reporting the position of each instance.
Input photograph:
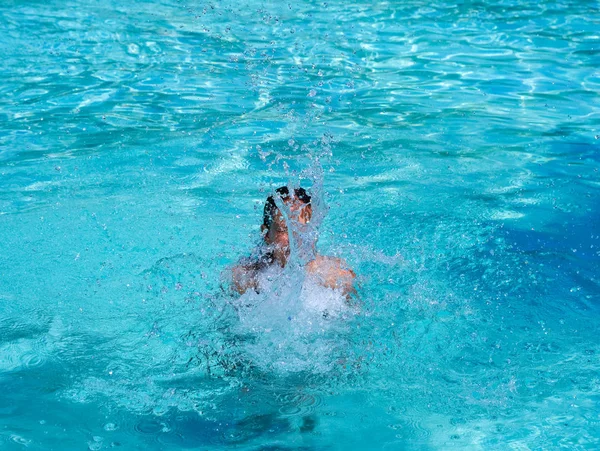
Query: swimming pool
(456, 147)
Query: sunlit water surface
(458, 148)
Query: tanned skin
(330, 272)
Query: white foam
(296, 323)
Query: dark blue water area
(559, 271)
(572, 246)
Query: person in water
(330, 272)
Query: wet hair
(284, 192)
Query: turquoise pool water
(456, 146)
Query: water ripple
(460, 148)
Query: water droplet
(133, 49)
(20, 440)
(95, 444)
(312, 93)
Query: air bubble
(110, 427)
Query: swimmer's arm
(344, 280)
(335, 274)
(243, 277)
